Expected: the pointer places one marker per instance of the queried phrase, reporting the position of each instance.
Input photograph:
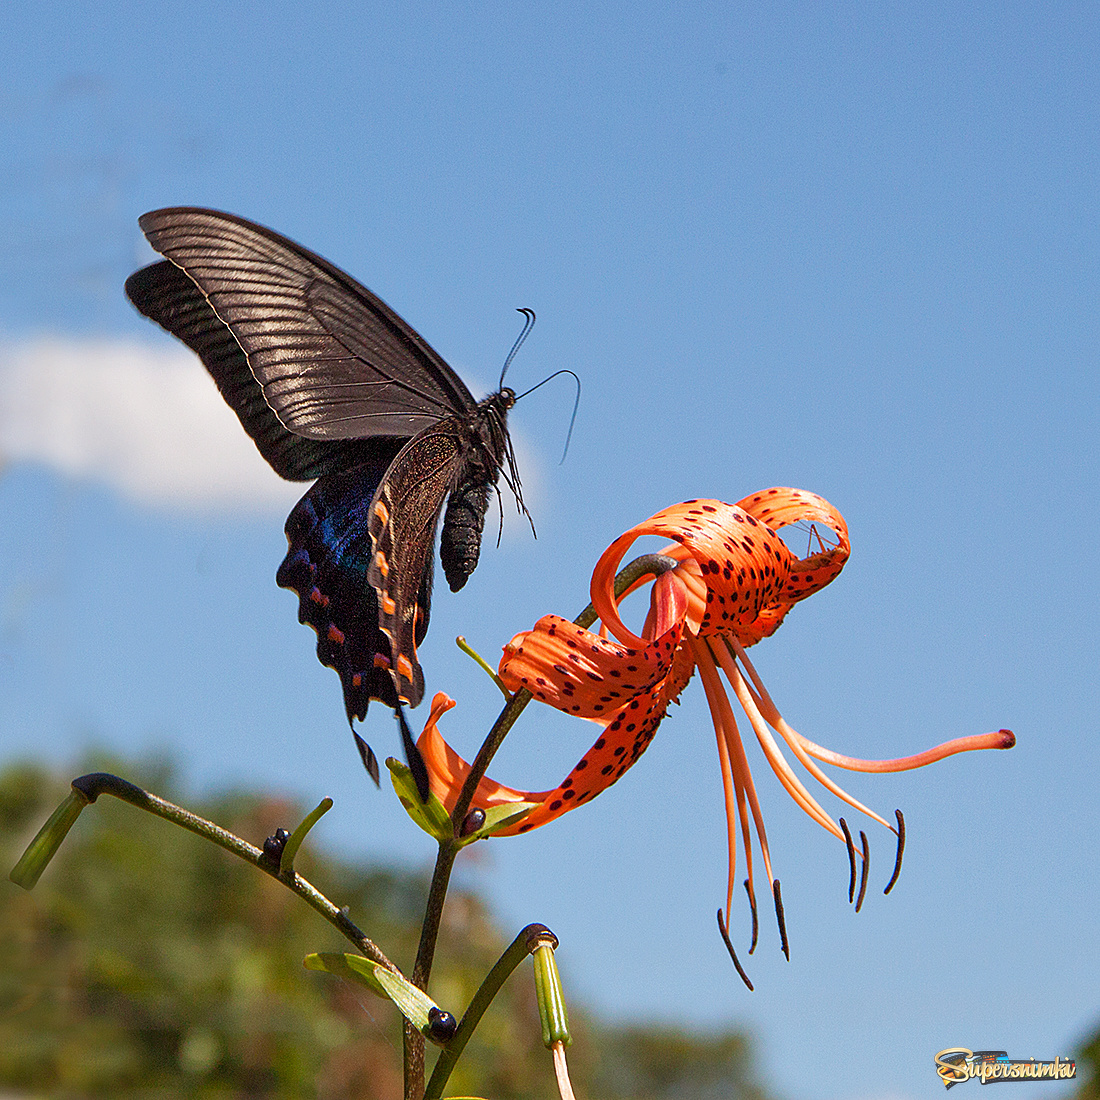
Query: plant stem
(97, 783)
(515, 953)
(437, 892)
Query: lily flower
(731, 583)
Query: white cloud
(147, 421)
(150, 423)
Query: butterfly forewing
(334, 361)
(167, 295)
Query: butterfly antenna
(576, 403)
(528, 324)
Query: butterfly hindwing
(460, 457)
(329, 551)
(403, 518)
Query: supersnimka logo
(958, 1064)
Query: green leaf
(500, 817)
(432, 815)
(414, 1004)
(290, 850)
(340, 964)
(44, 846)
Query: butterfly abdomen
(484, 447)
(460, 540)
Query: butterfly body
(332, 385)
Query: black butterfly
(331, 384)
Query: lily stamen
(851, 861)
(864, 869)
(761, 702)
(752, 907)
(901, 852)
(725, 726)
(785, 774)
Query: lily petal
(579, 672)
(745, 564)
(447, 770)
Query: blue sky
(851, 248)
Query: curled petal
(745, 565)
(626, 736)
(781, 507)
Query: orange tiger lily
(733, 582)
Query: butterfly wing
(402, 521)
(164, 293)
(460, 457)
(333, 360)
(330, 382)
(329, 551)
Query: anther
(752, 906)
(781, 920)
(901, 850)
(851, 861)
(733, 954)
(866, 867)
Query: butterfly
(332, 385)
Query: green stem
(425, 956)
(93, 785)
(522, 946)
(437, 892)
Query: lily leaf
(332, 962)
(44, 846)
(500, 817)
(432, 815)
(414, 1004)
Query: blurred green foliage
(148, 963)
(1088, 1069)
